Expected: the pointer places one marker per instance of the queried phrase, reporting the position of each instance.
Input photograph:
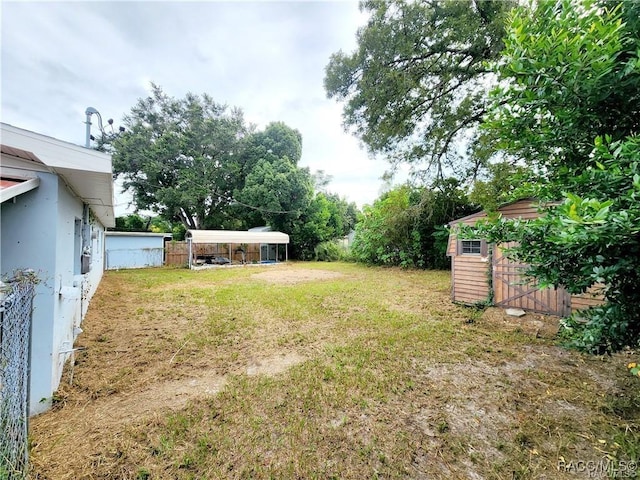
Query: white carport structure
(239, 238)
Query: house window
(471, 247)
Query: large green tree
(571, 76)
(278, 190)
(280, 194)
(279, 140)
(416, 86)
(194, 161)
(187, 158)
(181, 158)
(501, 183)
(276, 147)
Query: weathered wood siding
(470, 281)
(591, 298)
(525, 209)
(470, 273)
(176, 253)
(512, 289)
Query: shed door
(510, 289)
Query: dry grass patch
(284, 275)
(346, 372)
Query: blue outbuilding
(134, 249)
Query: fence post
(16, 305)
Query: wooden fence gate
(512, 289)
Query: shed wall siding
(134, 251)
(470, 279)
(591, 298)
(469, 273)
(524, 209)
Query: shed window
(471, 247)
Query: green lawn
(312, 370)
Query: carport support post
(230, 257)
(189, 241)
(286, 252)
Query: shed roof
(137, 234)
(236, 236)
(522, 208)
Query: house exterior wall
(44, 227)
(28, 226)
(74, 289)
(134, 250)
(38, 232)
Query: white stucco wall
(27, 241)
(97, 263)
(38, 232)
(68, 298)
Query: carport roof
(236, 236)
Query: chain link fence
(16, 304)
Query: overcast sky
(267, 57)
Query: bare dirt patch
(85, 428)
(542, 326)
(291, 276)
(175, 394)
(274, 365)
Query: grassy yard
(326, 371)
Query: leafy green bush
(569, 78)
(406, 226)
(592, 238)
(329, 252)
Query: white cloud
(268, 58)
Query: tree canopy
(180, 158)
(195, 161)
(569, 74)
(416, 86)
(570, 106)
(406, 226)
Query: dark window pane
(472, 247)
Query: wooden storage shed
(224, 247)
(481, 273)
